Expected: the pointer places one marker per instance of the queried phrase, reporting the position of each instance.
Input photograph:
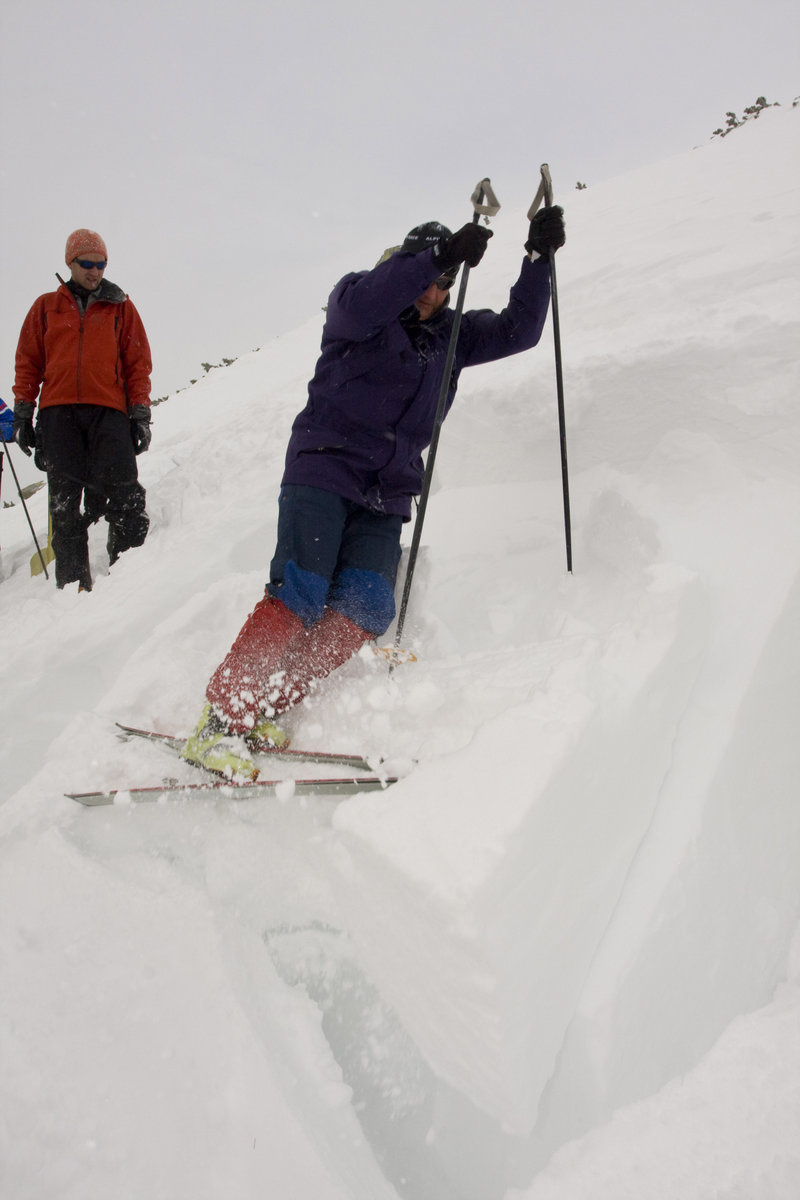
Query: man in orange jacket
(85, 347)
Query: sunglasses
(444, 283)
(87, 264)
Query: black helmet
(423, 237)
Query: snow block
(496, 877)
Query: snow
(561, 957)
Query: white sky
(233, 156)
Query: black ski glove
(546, 231)
(140, 427)
(22, 431)
(468, 245)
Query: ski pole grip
(484, 201)
(545, 192)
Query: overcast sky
(238, 158)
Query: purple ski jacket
(372, 400)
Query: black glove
(468, 245)
(546, 231)
(22, 431)
(140, 427)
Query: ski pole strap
(484, 201)
(545, 192)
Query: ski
(257, 790)
(354, 762)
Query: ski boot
(266, 736)
(214, 748)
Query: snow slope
(556, 960)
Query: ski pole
(24, 505)
(545, 193)
(484, 203)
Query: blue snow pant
(331, 551)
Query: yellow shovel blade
(47, 552)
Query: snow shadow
(415, 1124)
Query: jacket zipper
(80, 355)
(80, 349)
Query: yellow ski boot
(266, 736)
(215, 749)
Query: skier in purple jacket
(353, 467)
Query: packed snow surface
(560, 958)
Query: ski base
(259, 789)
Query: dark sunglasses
(444, 283)
(87, 265)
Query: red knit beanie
(84, 241)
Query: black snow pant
(87, 451)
